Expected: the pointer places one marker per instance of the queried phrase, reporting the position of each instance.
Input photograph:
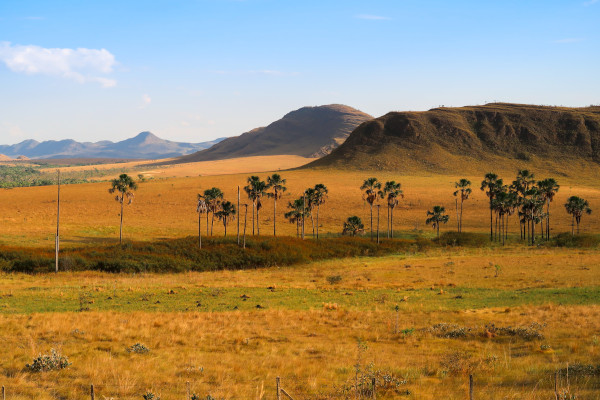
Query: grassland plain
(166, 208)
(512, 317)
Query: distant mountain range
(145, 145)
(307, 132)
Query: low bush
(48, 362)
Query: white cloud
(372, 17)
(569, 40)
(146, 100)
(590, 2)
(81, 65)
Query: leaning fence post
(3, 393)
(470, 387)
(92, 392)
(278, 381)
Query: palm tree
(310, 194)
(463, 188)
(371, 193)
(124, 186)
(492, 184)
(296, 214)
(213, 198)
(353, 226)
(319, 197)
(391, 191)
(202, 208)
(576, 206)
(548, 188)
(524, 182)
(226, 213)
(437, 217)
(255, 190)
(276, 184)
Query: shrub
(52, 362)
(138, 348)
(333, 279)
(151, 396)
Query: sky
(197, 70)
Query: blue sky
(197, 70)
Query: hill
(469, 138)
(306, 132)
(145, 145)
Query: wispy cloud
(569, 40)
(146, 100)
(81, 65)
(373, 17)
(590, 3)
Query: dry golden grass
(238, 354)
(165, 208)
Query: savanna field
(416, 314)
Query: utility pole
(57, 238)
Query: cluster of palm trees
(525, 197)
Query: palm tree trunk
(207, 225)
(371, 221)
(461, 214)
(257, 222)
(199, 230)
(225, 224)
(253, 207)
(238, 220)
(212, 223)
(548, 219)
(312, 221)
(392, 223)
(577, 220)
(245, 221)
(388, 221)
(378, 224)
(457, 216)
(491, 223)
(438, 230)
(121, 226)
(275, 216)
(572, 225)
(318, 206)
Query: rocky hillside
(447, 139)
(307, 132)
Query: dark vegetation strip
(180, 255)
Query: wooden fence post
(92, 396)
(374, 388)
(3, 393)
(278, 381)
(556, 385)
(470, 387)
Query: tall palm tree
(576, 206)
(201, 208)
(276, 184)
(125, 187)
(226, 213)
(548, 188)
(310, 194)
(491, 184)
(437, 217)
(353, 226)
(213, 198)
(522, 184)
(319, 197)
(464, 190)
(371, 194)
(255, 190)
(392, 191)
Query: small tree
(548, 189)
(492, 185)
(464, 191)
(319, 197)
(213, 198)
(353, 226)
(255, 190)
(392, 191)
(297, 213)
(576, 206)
(371, 194)
(276, 184)
(125, 187)
(226, 213)
(437, 217)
